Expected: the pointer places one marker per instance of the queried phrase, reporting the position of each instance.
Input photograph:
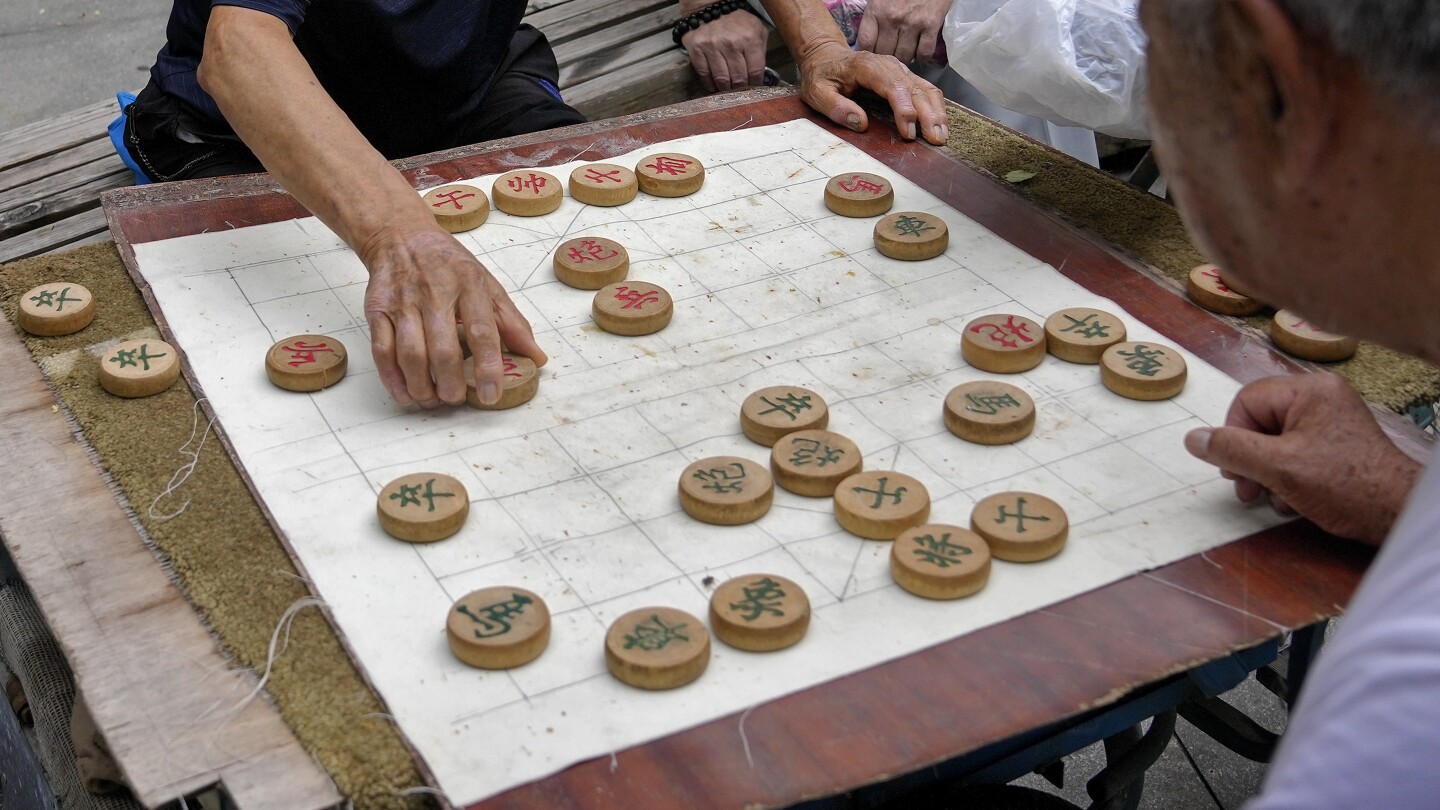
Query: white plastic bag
(1073, 62)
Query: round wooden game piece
(989, 412)
(527, 193)
(880, 504)
(1003, 344)
(306, 362)
(1210, 291)
(1082, 334)
(632, 308)
(1297, 336)
(759, 612)
(726, 490)
(458, 207)
(139, 368)
(911, 236)
(591, 262)
(814, 462)
(498, 628)
(770, 413)
(522, 381)
(603, 184)
(1020, 526)
(940, 562)
(859, 194)
(57, 308)
(670, 174)
(1143, 370)
(422, 507)
(657, 648)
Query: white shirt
(1366, 731)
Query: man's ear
(1299, 79)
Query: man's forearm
(806, 26)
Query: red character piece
(669, 165)
(534, 182)
(1005, 333)
(511, 369)
(303, 353)
(452, 197)
(635, 299)
(590, 251)
(1215, 274)
(858, 183)
(597, 176)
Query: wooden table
(958, 696)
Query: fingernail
(489, 393)
(1198, 442)
(942, 132)
(910, 131)
(853, 121)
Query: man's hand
(908, 30)
(422, 283)
(728, 53)
(830, 74)
(1312, 445)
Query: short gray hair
(1395, 42)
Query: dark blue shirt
(408, 73)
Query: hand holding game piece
(989, 412)
(1296, 336)
(306, 362)
(632, 308)
(770, 413)
(57, 308)
(881, 504)
(498, 628)
(911, 236)
(1082, 334)
(139, 368)
(940, 562)
(670, 174)
(522, 382)
(1206, 288)
(422, 507)
(603, 184)
(726, 490)
(1143, 370)
(591, 262)
(458, 207)
(1021, 526)
(814, 462)
(759, 612)
(527, 193)
(859, 194)
(657, 648)
(1003, 344)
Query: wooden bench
(616, 57)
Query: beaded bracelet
(714, 11)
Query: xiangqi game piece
(1082, 334)
(859, 194)
(726, 490)
(603, 184)
(1143, 370)
(940, 562)
(57, 308)
(632, 308)
(814, 462)
(422, 507)
(527, 193)
(306, 362)
(591, 262)
(522, 381)
(670, 174)
(770, 413)
(911, 236)
(989, 412)
(1020, 526)
(458, 207)
(498, 628)
(1296, 336)
(1003, 344)
(759, 612)
(657, 648)
(1206, 288)
(880, 504)
(139, 368)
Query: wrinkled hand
(834, 72)
(728, 53)
(422, 283)
(908, 30)
(1309, 442)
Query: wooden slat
(603, 15)
(600, 50)
(61, 204)
(33, 170)
(52, 184)
(56, 134)
(47, 238)
(652, 82)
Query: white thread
(286, 620)
(188, 468)
(745, 741)
(741, 124)
(614, 762)
(419, 789)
